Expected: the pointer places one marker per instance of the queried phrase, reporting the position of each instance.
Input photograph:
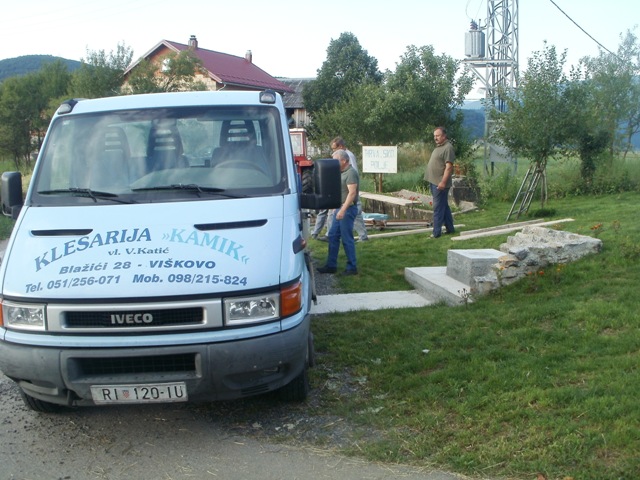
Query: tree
(616, 82)
(423, 92)
(175, 72)
(356, 119)
(532, 125)
(585, 133)
(54, 81)
(17, 111)
(101, 75)
(25, 110)
(347, 67)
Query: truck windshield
(177, 154)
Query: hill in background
(11, 67)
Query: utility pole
(493, 58)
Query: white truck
(159, 254)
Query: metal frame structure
(498, 68)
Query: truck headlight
(23, 317)
(253, 309)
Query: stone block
(464, 265)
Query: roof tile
(233, 70)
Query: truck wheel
(307, 180)
(312, 351)
(41, 406)
(296, 390)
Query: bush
(502, 186)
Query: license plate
(147, 393)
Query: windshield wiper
(190, 187)
(86, 192)
(181, 186)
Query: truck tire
(297, 389)
(307, 180)
(312, 352)
(41, 406)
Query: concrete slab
(368, 301)
(436, 285)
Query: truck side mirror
(11, 194)
(326, 184)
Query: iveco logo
(131, 318)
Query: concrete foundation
(464, 265)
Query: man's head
(343, 157)
(338, 144)
(440, 135)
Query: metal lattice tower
(497, 65)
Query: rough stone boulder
(543, 246)
(533, 249)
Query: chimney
(248, 56)
(193, 43)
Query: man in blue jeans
(325, 216)
(438, 174)
(342, 226)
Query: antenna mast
(497, 68)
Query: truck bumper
(218, 371)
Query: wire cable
(586, 33)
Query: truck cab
(159, 255)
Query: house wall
(162, 52)
(300, 118)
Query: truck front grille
(134, 318)
(89, 367)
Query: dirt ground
(259, 438)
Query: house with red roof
(221, 70)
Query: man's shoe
(365, 239)
(314, 236)
(324, 238)
(350, 272)
(326, 269)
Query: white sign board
(380, 159)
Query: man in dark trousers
(342, 225)
(438, 174)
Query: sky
(290, 39)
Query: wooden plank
(401, 232)
(489, 233)
(387, 199)
(502, 227)
(408, 232)
(407, 223)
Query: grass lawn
(540, 377)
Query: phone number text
(73, 282)
(191, 278)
